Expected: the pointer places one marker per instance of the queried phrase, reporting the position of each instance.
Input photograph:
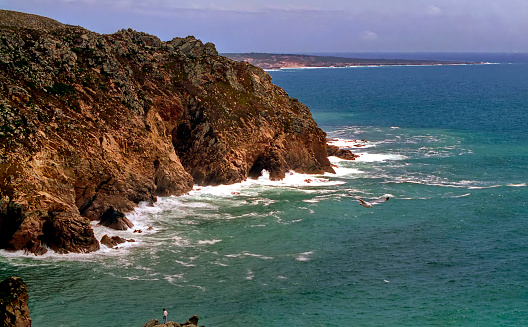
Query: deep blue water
(448, 144)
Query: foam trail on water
(350, 144)
(304, 256)
(375, 157)
(517, 185)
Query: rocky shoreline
(91, 125)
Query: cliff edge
(91, 121)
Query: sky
(306, 26)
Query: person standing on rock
(165, 314)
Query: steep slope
(90, 121)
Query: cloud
(434, 10)
(369, 35)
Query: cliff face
(90, 121)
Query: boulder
(14, 310)
(334, 150)
(112, 241)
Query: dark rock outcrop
(14, 310)
(334, 150)
(90, 121)
(115, 219)
(192, 322)
(112, 241)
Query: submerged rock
(14, 310)
(91, 121)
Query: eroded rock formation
(90, 121)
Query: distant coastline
(270, 61)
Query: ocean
(447, 144)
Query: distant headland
(284, 61)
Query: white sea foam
(414, 198)
(208, 242)
(297, 180)
(180, 241)
(304, 256)
(517, 185)
(172, 278)
(221, 264)
(351, 144)
(201, 288)
(247, 254)
(185, 264)
(375, 157)
(252, 187)
(138, 278)
(461, 196)
(100, 231)
(250, 275)
(443, 182)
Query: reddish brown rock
(112, 241)
(333, 150)
(14, 310)
(90, 121)
(65, 233)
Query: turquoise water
(450, 248)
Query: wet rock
(115, 219)
(333, 150)
(112, 241)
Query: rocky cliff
(90, 121)
(14, 310)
